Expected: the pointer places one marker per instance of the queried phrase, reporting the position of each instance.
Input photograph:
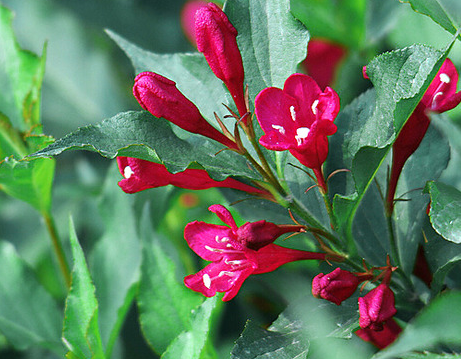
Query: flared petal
(224, 215)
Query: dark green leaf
(115, 260)
(29, 181)
(446, 13)
(441, 255)
(266, 30)
(438, 323)
(427, 355)
(190, 344)
(191, 73)
(139, 134)
(381, 18)
(81, 332)
(165, 304)
(258, 343)
(21, 78)
(28, 314)
(445, 213)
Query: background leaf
(30, 181)
(81, 332)
(446, 13)
(115, 260)
(25, 322)
(190, 344)
(438, 323)
(165, 304)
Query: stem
(57, 246)
(392, 241)
(326, 198)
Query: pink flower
(381, 338)
(217, 40)
(298, 118)
(322, 61)
(232, 258)
(140, 175)
(188, 18)
(376, 307)
(161, 98)
(440, 96)
(335, 286)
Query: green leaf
(165, 304)
(367, 127)
(139, 134)
(266, 30)
(446, 13)
(81, 332)
(256, 342)
(115, 260)
(30, 181)
(190, 344)
(438, 323)
(28, 314)
(191, 73)
(445, 213)
(381, 18)
(21, 77)
(340, 21)
(11, 143)
(427, 355)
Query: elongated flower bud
(161, 98)
(217, 40)
(376, 307)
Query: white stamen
(127, 172)
(221, 240)
(314, 107)
(435, 97)
(233, 262)
(221, 250)
(279, 128)
(444, 78)
(301, 134)
(207, 280)
(225, 272)
(293, 113)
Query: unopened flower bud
(258, 234)
(161, 98)
(335, 286)
(217, 40)
(376, 307)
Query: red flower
(298, 118)
(335, 286)
(233, 259)
(217, 40)
(161, 98)
(322, 61)
(140, 175)
(376, 307)
(382, 338)
(440, 96)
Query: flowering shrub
(337, 198)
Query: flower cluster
(237, 252)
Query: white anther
(293, 113)
(206, 280)
(435, 97)
(301, 134)
(127, 172)
(279, 128)
(444, 78)
(234, 262)
(221, 240)
(314, 107)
